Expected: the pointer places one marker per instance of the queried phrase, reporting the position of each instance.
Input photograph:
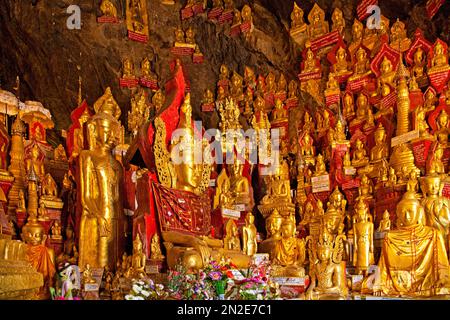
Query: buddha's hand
(104, 227)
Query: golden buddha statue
(321, 169)
(398, 36)
(332, 85)
(360, 157)
(443, 129)
(101, 228)
(108, 9)
(21, 201)
(430, 99)
(282, 85)
(41, 258)
(155, 248)
(349, 106)
(347, 162)
(307, 148)
(190, 35)
(362, 238)
(208, 97)
(341, 67)
(338, 21)
(318, 26)
(413, 260)
(87, 275)
(288, 255)
(239, 185)
(271, 85)
(34, 163)
(362, 65)
(128, 69)
(231, 240)
(56, 231)
(78, 133)
(338, 135)
(137, 17)
(362, 106)
(250, 246)
(158, 100)
(436, 206)
(419, 63)
(246, 14)
(249, 77)
(365, 189)
(421, 123)
(70, 252)
(236, 87)
(59, 154)
(357, 36)
(381, 148)
(298, 24)
(42, 212)
(138, 259)
(179, 36)
(49, 188)
(385, 223)
(279, 113)
(310, 64)
(292, 89)
(386, 79)
(224, 73)
(146, 69)
(439, 62)
(273, 229)
(327, 272)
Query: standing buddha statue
(250, 246)
(363, 239)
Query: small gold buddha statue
(439, 62)
(346, 161)
(179, 36)
(385, 223)
(398, 38)
(436, 206)
(21, 202)
(250, 246)
(155, 248)
(282, 85)
(421, 123)
(327, 272)
(318, 26)
(405, 252)
(246, 14)
(70, 252)
(430, 99)
(190, 35)
(362, 65)
(386, 79)
(298, 24)
(338, 135)
(231, 240)
(56, 231)
(42, 212)
(224, 73)
(338, 21)
(49, 188)
(443, 130)
(279, 113)
(362, 106)
(33, 162)
(288, 255)
(419, 63)
(271, 85)
(357, 35)
(208, 97)
(108, 9)
(59, 153)
(349, 106)
(332, 85)
(360, 157)
(128, 69)
(292, 90)
(158, 101)
(365, 189)
(146, 69)
(310, 64)
(363, 251)
(381, 148)
(321, 168)
(138, 259)
(341, 67)
(87, 275)
(236, 87)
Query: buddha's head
(418, 56)
(336, 198)
(361, 101)
(127, 66)
(190, 34)
(33, 233)
(443, 119)
(380, 135)
(288, 229)
(249, 218)
(325, 246)
(431, 185)
(357, 30)
(361, 54)
(337, 15)
(359, 145)
(341, 54)
(273, 224)
(297, 13)
(106, 131)
(386, 66)
(361, 210)
(438, 49)
(386, 215)
(309, 55)
(224, 70)
(137, 244)
(332, 220)
(409, 211)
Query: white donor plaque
(405, 138)
(151, 269)
(91, 287)
(231, 214)
(350, 171)
(320, 183)
(239, 207)
(212, 182)
(291, 281)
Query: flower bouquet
(146, 290)
(187, 286)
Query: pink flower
(215, 275)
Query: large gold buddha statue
(101, 229)
(413, 260)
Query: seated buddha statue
(338, 135)
(288, 255)
(279, 113)
(365, 189)
(128, 69)
(398, 39)
(231, 240)
(380, 150)
(224, 74)
(413, 260)
(239, 185)
(236, 88)
(338, 21)
(321, 168)
(332, 85)
(146, 69)
(70, 252)
(327, 272)
(108, 9)
(362, 105)
(430, 99)
(317, 24)
(307, 148)
(439, 62)
(310, 63)
(385, 223)
(282, 85)
(386, 78)
(271, 85)
(190, 35)
(138, 260)
(341, 67)
(357, 36)
(298, 24)
(421, 122)
(41, 258)
(292, 89)
(349, 106)
(419, 63)
(273, 229)
(443, 130)
(360, 158)
(49, 188)
(436, 206)
(362, 65)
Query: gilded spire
(80, 99)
